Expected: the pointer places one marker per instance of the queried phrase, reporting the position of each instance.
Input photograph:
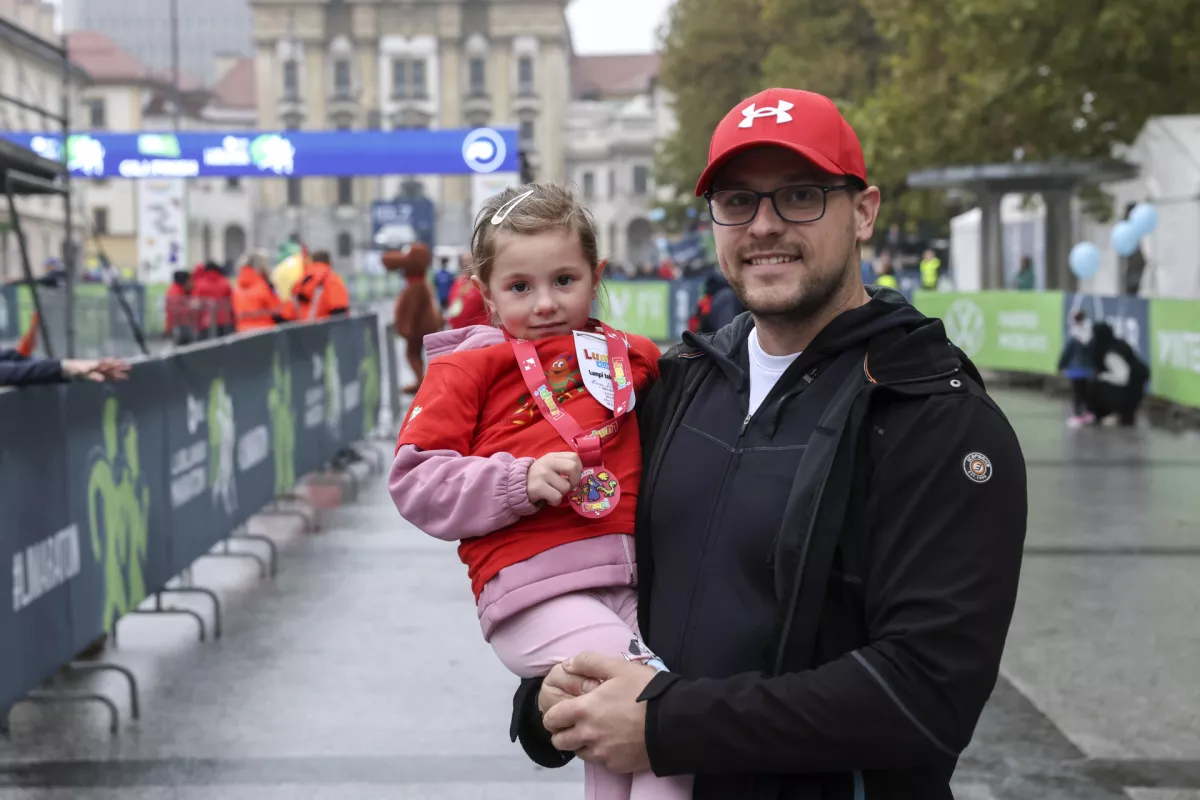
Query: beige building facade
(385, 64)
(31, 71)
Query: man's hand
(561, 685)
(552, 476)
(98, 371)
(606, 725)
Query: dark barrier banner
(1128, 316)
(118, 487)
(312, 401)
(109, 490)
(263, 455)
(44, 547)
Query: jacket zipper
(923, 378)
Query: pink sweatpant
(602, 621)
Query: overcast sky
(616, 26)
(610, 26)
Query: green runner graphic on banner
(635, 307)
(1175, 350)
(1019, 331)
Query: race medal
(599, 490)
(598, 493)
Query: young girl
(520, 445)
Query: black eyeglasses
(800, 203)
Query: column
(1059, 237)
(991, 240)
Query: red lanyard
(599, 491)
(584, 443)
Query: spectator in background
(1075, 364)
(19, 370)
(931, 267)
(1120, 377)
(180, 323)
(443, 282)
(214, 301)
(466, 306)
(886, 272)
(319, 294)
(1026, 279)
(255, 303)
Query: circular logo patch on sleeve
(978, 467)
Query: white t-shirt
(764, 370)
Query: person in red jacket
(465, 306)
(180, 323)
(213, 290)
(519, 445)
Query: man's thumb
(592, 665)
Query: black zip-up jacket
(894, 572)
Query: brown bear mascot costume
(417, 313)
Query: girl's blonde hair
(528, 209)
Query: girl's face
(541, 285)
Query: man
(830, 521)
(319, 294)
(255, 304)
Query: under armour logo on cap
(780, 113)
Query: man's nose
(766, 222)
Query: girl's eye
(565, 280)
(519, 287)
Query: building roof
(104, 59)
(239, 86)
(613, 76)
(107, 62)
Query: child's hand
(552, 476)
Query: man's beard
(815, 294)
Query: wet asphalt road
(359, 672)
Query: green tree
(712, 57)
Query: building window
(641, 180)
(293, 192)
(612, 184)
(100, 221)
(97, 118)
(399, 77)
(345, 191)
(418, 79)
(613, 244)
(589, 185)
(525, 75)
(478, 77)
(291, 79)
(345, 245)
(341, 77)
(233, 183)
(526, 134)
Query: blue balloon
(1085, 260)
(1125, 238)
(1144, 218)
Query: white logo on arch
(484, 150)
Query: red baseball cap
(804, 122)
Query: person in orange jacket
(319, 294)
(255, 303)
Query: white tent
(1168, 153)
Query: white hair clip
(507, 208)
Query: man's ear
(866, 211)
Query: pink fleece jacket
(453, 496)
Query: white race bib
(592, 351)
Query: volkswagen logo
(484, 150)
(965, 325)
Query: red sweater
(475, 403)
